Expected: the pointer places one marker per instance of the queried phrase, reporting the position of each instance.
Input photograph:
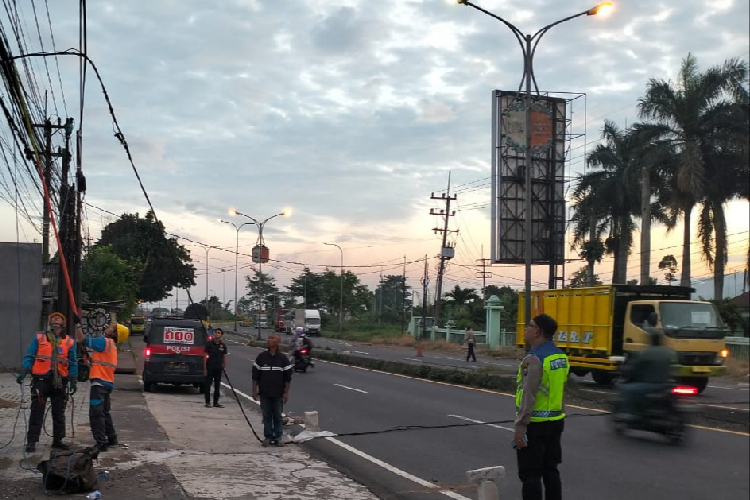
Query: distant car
(263, 323)
(137, 325)
(174, 353)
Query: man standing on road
(540, 385)
(102, 377)
(272, 375)
(214, 363)
(469, 338)
(52, 361)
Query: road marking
(724, 407)
(467, 419)
(351, 388)
(410, 359)
(361, 352)
(397, 471)
(490, 391)
(240, 393)
(722, 387)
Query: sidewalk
(171, 447)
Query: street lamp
(236, 262)
(261, 256)
(207, 248)
(525, 41)
(341, 296)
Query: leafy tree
(162, 262)
(392, 299)
(107, 277)
(650, 281)
(324, 291)
(705, 117)
(260, 286)
(307, 286)
(580, 279)
(668, 264)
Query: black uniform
(215, 353)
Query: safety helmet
(299, 330)
(123, 332)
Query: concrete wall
(20, 300)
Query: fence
(738, 347)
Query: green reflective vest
(548, 405)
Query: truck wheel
(581, 372)
(148, 386)
(602, 377)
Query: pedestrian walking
(53, 363)
(102, 378)
(469, 339)
(214, 363)
(272, 376)
(540, 415)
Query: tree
(668, 264)
(649, 281)
(162, 263)
(580, 279)
(260, 286)
(390, 300)
(698, 114)
(107, 278)
(607, 197)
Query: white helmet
(299, 330)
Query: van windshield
(137, 320)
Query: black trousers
(213, 376)
(537, 462)
(100, 419)
(470, 352)
(42, 388)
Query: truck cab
(692, 328)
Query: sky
(350, 112)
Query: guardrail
(739, 347)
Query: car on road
(174, 352)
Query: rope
(242, 409)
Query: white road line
(467, 419)
(378, 462)
(397, 471)
(725, 407)
(351, 388)
(722, 387)
(240, 393)
(361, 352)
(414, 359)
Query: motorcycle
(302, 360)
(662, 413)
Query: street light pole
(236, 262)
(341, 296)
(207, 248)
(525, 41)
(260, 245)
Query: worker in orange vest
(102, 378)
(53, 363)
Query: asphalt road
(466, 429)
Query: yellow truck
(598, 327)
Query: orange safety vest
(43, 360)
(103, 363)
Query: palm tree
(696, 113)
(607, 198)
(463, 296)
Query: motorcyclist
(647, 372)
(301, 341)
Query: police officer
(102, 377)
(214, 363)
(52, 361)
(540, 415)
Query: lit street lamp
(236, 262)
(341, 296)
(526, 41)
(261, 255)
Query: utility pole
(446, 251)
(425, 283)
(47, 125)
(403, 298)
(484, 274)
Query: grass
(738, 368)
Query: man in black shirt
(272, 375)
(213, 365)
